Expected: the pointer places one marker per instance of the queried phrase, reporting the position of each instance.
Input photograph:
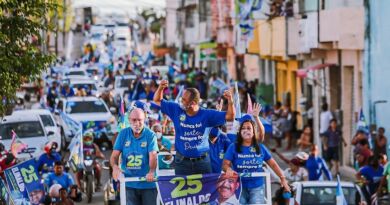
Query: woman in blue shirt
(247, 156)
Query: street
(231, 84)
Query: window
(327, 195)
(85, 107)
(75, 73)
(190, 20)
(47, 120)
(204, 10)
(85, 86)
(22, 129)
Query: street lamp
(374, 108)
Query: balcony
(344, 27)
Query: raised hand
(228, 95)
(256, 109)
(163, 84)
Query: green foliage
(22, 23)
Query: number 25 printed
(29, 174)
(134, 161)
(194, 186)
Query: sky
(128, 6)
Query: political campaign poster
(198, 189)
(24, 183)
(4, 195)
(208, 51)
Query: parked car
(92, 113)
(49, 124)
(29, 129)
(324, 193)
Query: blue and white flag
(237, 104)
(181, 90)
(72, 124)
(362, 125)
(76, 155)
(340, 198)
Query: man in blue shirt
(316, 166)
(46, 161)
(138, 146)
(190, 122)
(332, 140)
(219, 143)
(59, 177)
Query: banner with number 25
(198, 189)
(23, 180)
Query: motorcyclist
(46, 160)
(6, 160)
(91, 148)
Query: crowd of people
(138, 146)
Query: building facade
(376, 97)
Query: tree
(22, 25)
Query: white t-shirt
(325, 118)
(302, 172)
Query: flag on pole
(181, 90)
(363, 126)
(249, 108)
(237, 105)
(16, 144)
(340, 199)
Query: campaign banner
(199, 189)
(208, 51)
(24, 183)
(4, 195)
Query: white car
(324, 193)
(49, 123)
(122, 42)
(92, 113)
(29, 129)
(75, 83)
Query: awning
(302, 73)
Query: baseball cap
(302, 155)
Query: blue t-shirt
(248, 162)
(135, 155)
(232, 137)
(65, 180)
(373, 176)
(46, 163)
(217, 152)
(334, 137)
(315, 166)
(190, 140)
(167, 144)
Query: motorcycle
(88, 180)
